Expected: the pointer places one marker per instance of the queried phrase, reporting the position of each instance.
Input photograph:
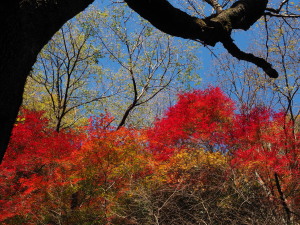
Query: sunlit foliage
(202, 162)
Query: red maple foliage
(268, 147)
(201, 118)
(48, 175)
(31, 164)
(87, 172)
(258, 140)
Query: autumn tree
(200, 119)
(97, 62)
(202, 162)
(280, 38)
(277, 41)
(42, 176)
(69, 177)
(259, 142)
(66, 79)
(269, 150)
(145, 62)
(28, 26)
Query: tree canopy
(28, 25)
(203, 162)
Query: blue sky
(243, 39)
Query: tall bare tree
(147, 62)
(67, 77)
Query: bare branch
(215, 4)
(283, 15)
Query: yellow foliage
(189, 158)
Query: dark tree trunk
(26, 26)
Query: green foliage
(109, 60)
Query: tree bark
(161, 14)
(211, 30)
(26, 26)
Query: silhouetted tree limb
(211, 30)
(239, 54)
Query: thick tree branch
(161, 14)
(216, 28)
(260, 62)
